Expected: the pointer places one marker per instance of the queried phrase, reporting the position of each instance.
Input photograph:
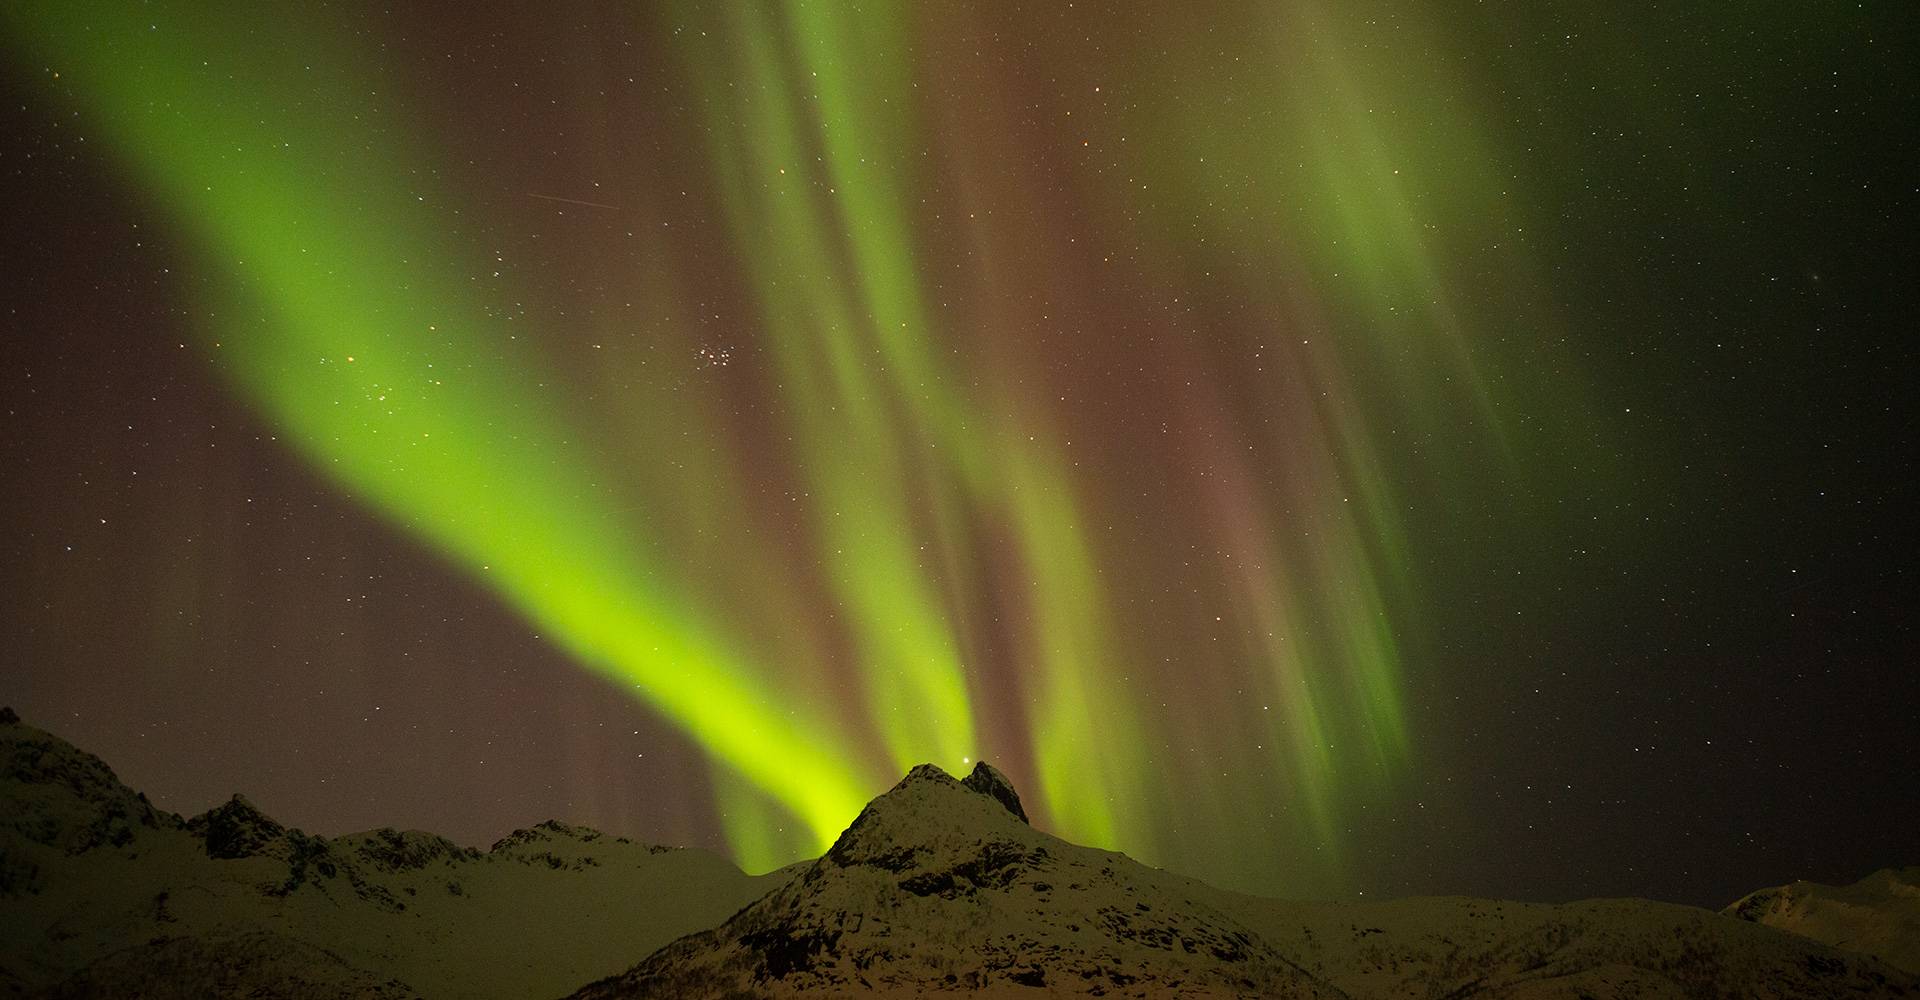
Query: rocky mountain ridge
(99, 887)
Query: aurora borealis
(1191, 412)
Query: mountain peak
(236, 829)
(928, 819)
(942, 885)
(987, 780)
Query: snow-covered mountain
(1460, 947)
(940, 887)
(99, 889)
(1878, 915)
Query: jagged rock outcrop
(941, 885)
(559, 846)
(987, 780)
(237, 830)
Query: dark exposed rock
(396, 850)
(786, 952)
(237, 829)
(987, 780)
(19, 875)
(553, 831)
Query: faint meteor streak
(571, 201)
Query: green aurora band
(948, 576)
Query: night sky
(1322, 448)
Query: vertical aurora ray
(1270, 198)
(825, 333)
(1085, 345)
(840, 284)
(1087, 738)
(1083, 741)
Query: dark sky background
(1535, 523)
